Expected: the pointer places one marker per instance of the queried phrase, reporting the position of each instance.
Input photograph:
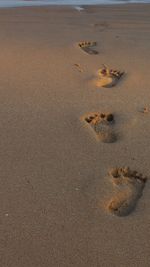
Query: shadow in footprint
(102, 125)
(131, 186)
(87, 46)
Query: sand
(54, 182)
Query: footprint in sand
(87, 46)
(103, 126)
(131, 186)
(78, 67)
(108, 77)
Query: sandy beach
(54, 182)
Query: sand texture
(59, 207)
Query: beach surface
(54, 182)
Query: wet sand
(54, 185)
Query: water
(15, 3)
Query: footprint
(108, 77)
(102, 125)
(78, 66)
(87, 46)
(132, 183)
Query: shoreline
(82, 5)
(87, 8)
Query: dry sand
(53, 183)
